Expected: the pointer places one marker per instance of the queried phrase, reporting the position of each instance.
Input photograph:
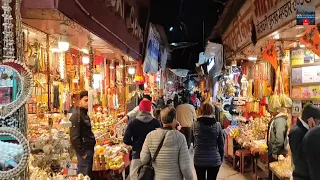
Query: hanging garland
(91, 66)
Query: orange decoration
(139, 78)
(311, 39)
(270, 54)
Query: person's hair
(147, 96)
(186, 97)
(156, 114)
(83, 94)
(206, 109)
(167, 115)
(309, 111)
(169, 101)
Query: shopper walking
(136, 133)
(186, 114)
(173, 160)
(297, 132)
(82, 137)
(208, 143)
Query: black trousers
(211, 172)
(186, 131)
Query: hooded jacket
(81, 135)
(173, 161)
(137, 131)
(277, 133)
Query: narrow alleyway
(226, 172)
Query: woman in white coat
(173, 160)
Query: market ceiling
(183, 22)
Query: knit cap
(145, 105)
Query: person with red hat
(136, 133)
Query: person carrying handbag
(172, 160)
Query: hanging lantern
(139, 78)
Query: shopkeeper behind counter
(82, 137)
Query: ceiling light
(86, 51)
(63, 43)
(55, 48)
(277, 36)
(251, 58)
(112, 65)
(174, 44)
(171, 29)
(85, 59)
(131, 70)
(302, 45)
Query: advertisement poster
(151, 61)
(297, 56)
(296, 108)
(297, 92)
(316, 77)
(307, 74)
(296, 75)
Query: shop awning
(95, 16)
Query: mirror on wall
(10, 85)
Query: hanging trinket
(8, 38)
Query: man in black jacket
(136, 133)
(311, 147)
(82, 137)
(297, 132)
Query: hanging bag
(284, 99)
(275, 103)
(146, 171)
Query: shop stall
(65, 58)
(270, 63)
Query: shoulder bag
(146, 171)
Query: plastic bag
(284, 99)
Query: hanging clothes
(56, 100)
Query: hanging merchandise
(270, 54)
(311, 39)
(139, 79)
(275, 103)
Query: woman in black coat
(209, 143)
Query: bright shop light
(277, 36)
(86, 51)
(63, 43)
(302, 45)
(64, 46)
(55, 50)
(251, 58)
(85, 59)
(96, 81)
(171, 29)
(131, 70)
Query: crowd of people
(173, 130)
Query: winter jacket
(137, 131)
(81, 135)
(173, 160)
(300, 168)
(311, 149)
(209, 142)
(277, 133)
(186, 114)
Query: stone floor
(226, 172)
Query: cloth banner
(151, 61)
(311, 39)
(180, 72)
(270, 54)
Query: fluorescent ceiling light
(86, 51)
(277, 36)
(302, 45)
(251, 58)
(85, 59)
(174, 44)
(171, 29)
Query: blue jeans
(85, 165)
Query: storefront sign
(271, 15)
(151, 61)
(238, 34)
(127, 13)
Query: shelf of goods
(51, 152)
(252, 135)
(282, 168)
